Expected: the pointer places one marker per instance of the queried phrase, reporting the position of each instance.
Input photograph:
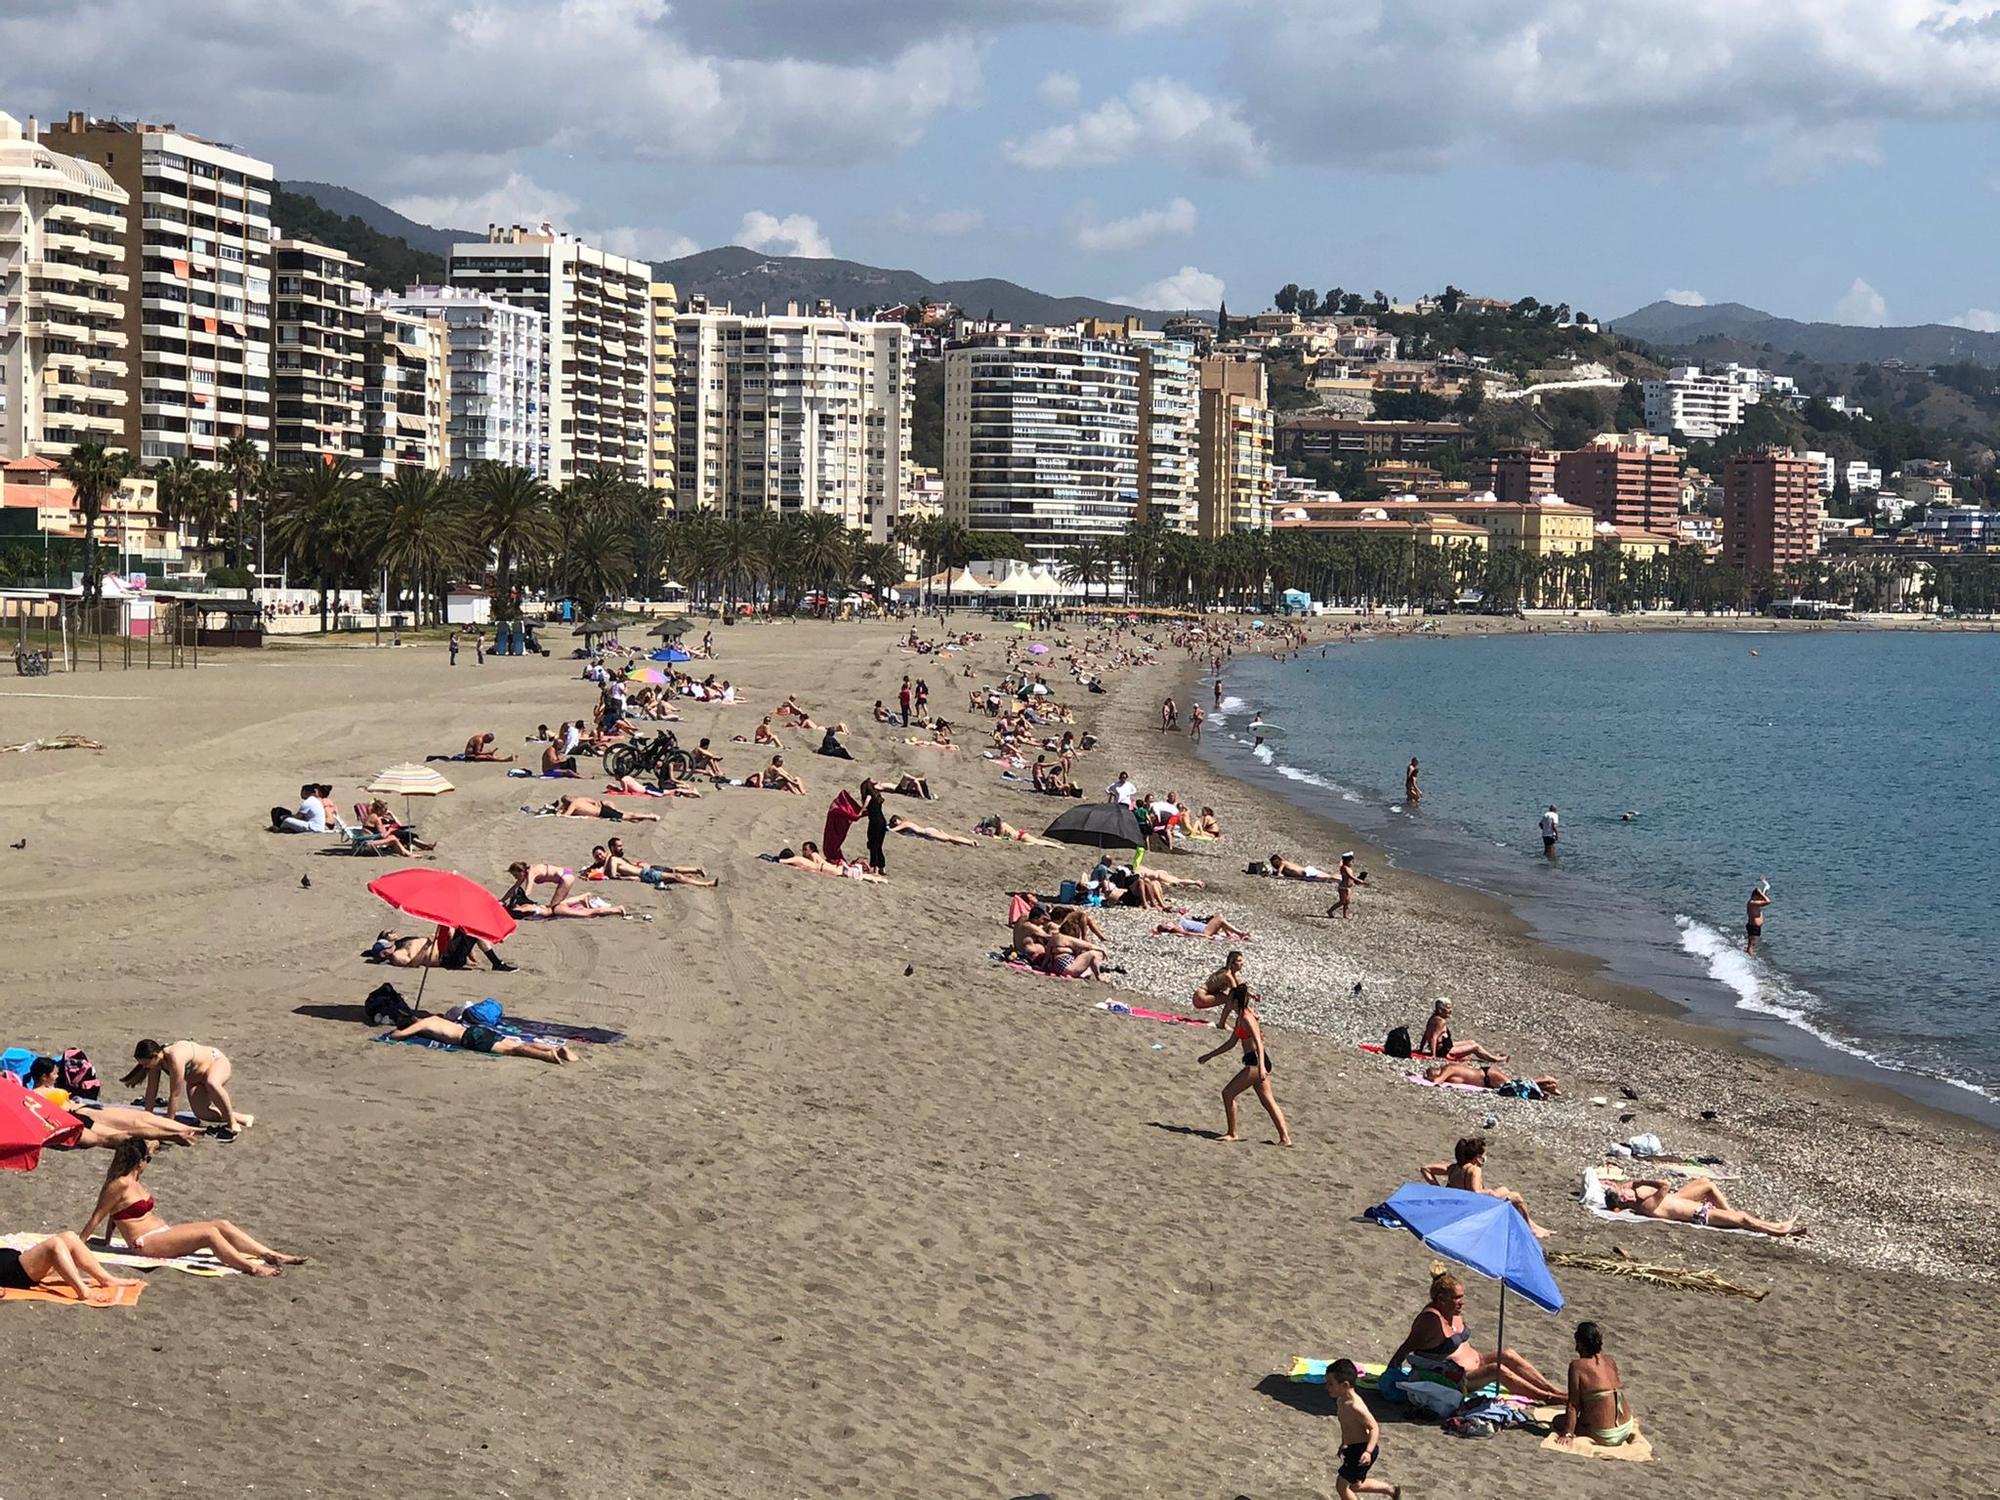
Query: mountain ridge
(1677, 326)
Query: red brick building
(1770, 511)
(1626, 483)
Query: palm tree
(513, 516)
(597, 563)
(243, 462)
(317, 524)
(94, 472)
(1086, 562)
(424, 529)
(823, 551)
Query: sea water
(1858, 773)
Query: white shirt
(1549, 824)
(313, 811)
(1125, 794)
(570, 739)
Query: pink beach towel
(1119, 1008)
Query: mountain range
(1673, 326)
(748, 279)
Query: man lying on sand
(1696, 1201)
(995, 827)
(1473, 1075)
(1285, 869)
(609, 861)
(448, 948)
(597, 807)
(775, 777)
(482, 1039)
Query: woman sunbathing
(1437, 1342)
(898, 824)
(63, 1259)
(527, 908)
(203, 1072)
(378, 821)
(1207, 927)
(1437, 1040)
(1696, 1201)
(1467, 1171)
(775, 777)
(809, 858)
(999, 828)
(597, 807)
(104, 1125)
(482, 1039)
(1472, 1075)
(911, 786)
(123, 1202)
(1075, 922)
(1597, 1410)
(763, 736)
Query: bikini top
(137, 1210)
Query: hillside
(1670, 326)
(390, 245)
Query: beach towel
(194, 1265)
(1592, 1196)
(1119, 1008)
(1464, 1088)
(1022, 966)
(841, 815)
(100, 1296)
(1313, 1372)
(431, 1042)
(1638, 1451)
(557, 1031)
(184, 1116)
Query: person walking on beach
(1195, 716)
(454, 648)
(878, 827)
(903, 698)
(478, 648)
(1255, 1074)
(1360, 1436)
(1753, 917)
(1551, 827)
(1349, 878)
(1412, 793)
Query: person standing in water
(1412, 793)
(1195, 717)
(1551, 827)
(1753, 916)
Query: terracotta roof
(33, 464)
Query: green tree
(316, 525)
(424, 531)
(94, 473)
(1286, 300)
(244, 463)
(514, 516)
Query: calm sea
(1859, 774)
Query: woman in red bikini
(1255, 1074)
(125, 1203)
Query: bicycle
(31, 662)
(660, 757)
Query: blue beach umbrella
(1487, 1235)
(670, 653)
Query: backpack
(1257, 867)
(485, 1012)
(1397, 1043)
(75, 1073)
(386, 1003)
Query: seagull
(19, 844)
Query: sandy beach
(855, 1210)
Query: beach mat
(1119, 1008)
(1638, 1451)
(429, 1043)
(100, 1296)
(194, 1265)
(184, 1117)
(557, 1031)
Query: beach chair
(361, 841)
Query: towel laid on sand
(1638, 1451)
(100, 1296)
(1022, 966)
(184, 1117)
(1464, 1088)
(1119, 1008)
(1376, 1048)
(557, 1031)
(194, 1265)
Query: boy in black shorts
(1360, 1436)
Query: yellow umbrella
(411, 780)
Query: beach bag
(1397, 1042)
(385, 1003)
(486, 1012)
(1257, 867)
(17, 1061)
(75, 1073)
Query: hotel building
(597, 406)
(665, 309)
(1169, 430)
(405, 393)
(197, 311)
(1628, 480)
(63, 355)
(494, 373)
(316, 379)
(791, 413)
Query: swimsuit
(480, 1039)
(1250, 1055)
(1354, 1462)
(13, 1275)
(137, 1210)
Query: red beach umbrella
(447, 898)
(28, 1122)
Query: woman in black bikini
(1256, 1070)
(1438, 1342)
(60, 1260)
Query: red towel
(841, 815)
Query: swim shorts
(1354, 1466)
(13, 1275)
(480, 1039)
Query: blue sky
(1822, 159)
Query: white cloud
(1804, 83)
(515, 199)
(1134, 231)
(1685, 298)
(1156, 117)
(1863, 305)
(1978, 319)
(642, 242)
(1061, 91)
(794, 234)
(1187, 288)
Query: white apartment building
(1828, 470)
(1862, 476)
(494, 376)
(1691, 404)
(1169, 467)
(405, 398)
(1757, 384)
(792, 413)
(316, 377)
(1041, 437)
(597, 408)
(63, 355)
(197, 312)
(665, 307)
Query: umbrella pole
(1501, 1348)
(424, 977)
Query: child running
(1360, 1436)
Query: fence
(121, 634)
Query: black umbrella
(1099, 825)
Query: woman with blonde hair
(1438, 1342)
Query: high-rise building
(597, 410)
(494, 354)
(63, 356)
(405, 399)
(1625, 479)
(316, 378)
(792, 413)
(1692, 404)
(197, 312)
(666, 308)
(1169, 420)
(1770, 511)
(1235, 446)
(1041, 436)
(1517, 476)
